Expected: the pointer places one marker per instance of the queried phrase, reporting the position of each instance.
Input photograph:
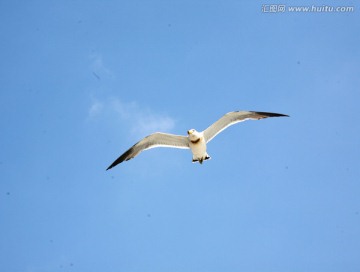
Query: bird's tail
(201, 159)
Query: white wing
(154, 140)
(234, 117)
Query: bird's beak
(189, 132)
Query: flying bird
(195, 141)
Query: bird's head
(193, 134)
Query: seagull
(195, 141)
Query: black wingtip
(113, 164)
(123, 157)
(271, 114)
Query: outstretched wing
(234, 117)
(154, 140)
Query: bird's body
(197, 144)
(195, 141)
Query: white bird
(195, 140)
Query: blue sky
(81, 81)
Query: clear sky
(82, 81)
